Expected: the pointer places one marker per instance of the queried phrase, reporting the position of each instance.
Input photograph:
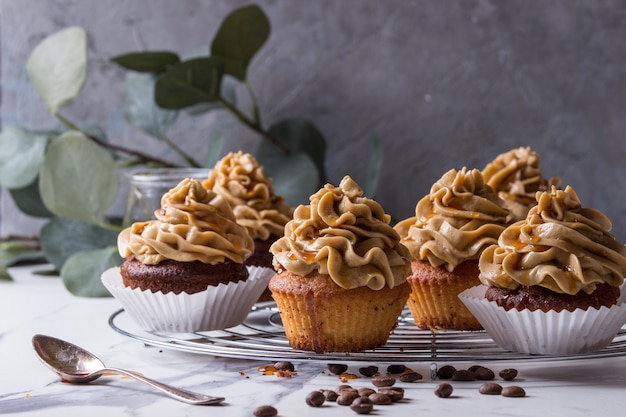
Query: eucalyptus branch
(253, 124)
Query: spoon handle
(176, 393)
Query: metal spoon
(75, 364)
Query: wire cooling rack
(261, 337)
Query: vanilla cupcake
(516, 176)
(341, 281)
(552, 283)
(184, 270)
(453, 224)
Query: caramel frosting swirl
(560, 246)
(516, 177)
(239, 179)
(193, 224)
(346, 236)
(455, 222)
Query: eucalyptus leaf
(296, 177)
(57, 67)
(241, 34)
(21, 154)
(81, 272)
(140, 109)
(61, 237)
(4, 274)
(28, 200)
(188, 83)
(154, 61)
(298, 136)
(216, 143)
(227, 92)
(374, 166)
(78, 178)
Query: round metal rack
(261, 337)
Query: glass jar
(147, 186)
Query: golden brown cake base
(434, 301)
(320, 316)
(172, 276)
(539, 298)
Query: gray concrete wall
(444, 84)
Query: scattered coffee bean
(395, 393)
(344, 387)
(383, 381)
(483, 374)
(445, 372)
(395, 369)
(265, 411)
(378, 398)
(346, 397)
(330, 395)
(284, 366)
(463, 375)
(362, 405)
(365, 391)
(443, 390)
(369, 370)
(508, 374)
(513, 391)
(409, 375)
(315, 399)
(337, 368)
(490, 388)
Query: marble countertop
(32, 304)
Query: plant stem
(180, 152)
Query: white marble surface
(35, 304)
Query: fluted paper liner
(218, 307)
(541, 333)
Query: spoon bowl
(75, 364)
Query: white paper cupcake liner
(218, 307)
(551, 333)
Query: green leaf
(191, 82)
(28, 200)
(298, 136)
(374, 165)
(4, 274)
(295, 177)
(21, 153)
(155, 61)
(139, 107)
(227, 92)
(241, 35)
(61, 237)
(15, 251)
(78, 178)
(57, 67)
(81, 273)
(216, 143)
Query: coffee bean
(365, 391)
(362, 405)
(513, 391)
(284, 366)
(330, 395)
(463, 375)
(443, 390)
(445, 372)
(344, 387)
(508, 374)
(346, 397)
(483, 374)
(395, 393)
(337, 368)
(490, 388)
(265, 411)
(395, 369)
(378, 398)
(369, 370)
(315, 399)
(409, 375)
(383, 381)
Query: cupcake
(552, 283)
(239, 179)
(341, 274)
(185, 270)
(453, 224)
(516, 176)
